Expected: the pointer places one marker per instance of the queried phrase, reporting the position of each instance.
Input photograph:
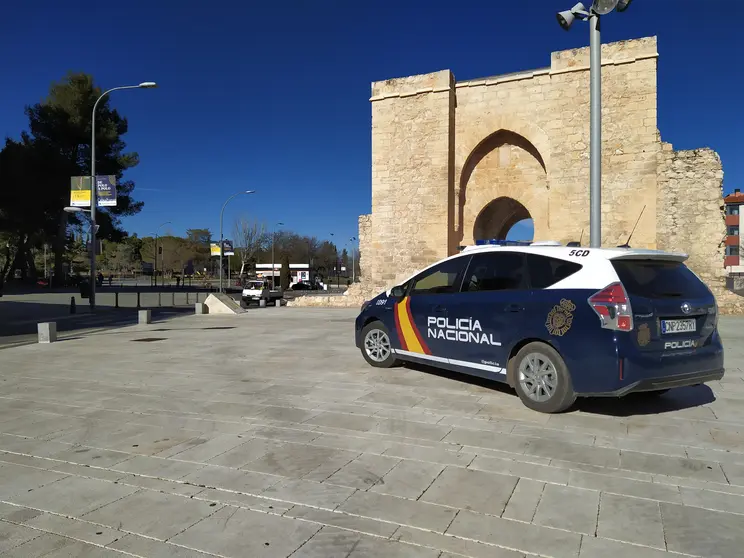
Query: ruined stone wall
(365, 240)
(691, 216)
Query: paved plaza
(267, 435)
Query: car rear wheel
(541, 379)
(376, 347)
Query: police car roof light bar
(498, 242)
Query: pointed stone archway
(498, 217)
(503, 181)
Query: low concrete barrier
(144, 317)
(47, 332)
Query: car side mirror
(397, 291)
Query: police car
(554, 322)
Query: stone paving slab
(288, 444)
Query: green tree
(56, 147)
(199, 236)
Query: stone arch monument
(451, 160)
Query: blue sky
(273, 96)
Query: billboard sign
(227, 246)
(80, 191)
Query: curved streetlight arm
(222, 212)
(93, 185)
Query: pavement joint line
(417, 439)
(216, 509)
(81, 520)
(614, 470)
(178, 481)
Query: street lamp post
(157, 235)
(353, 260)
(273, 265)
(565, 19)
(93, 188)
(221, 215)
(337, 265)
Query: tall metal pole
(222, 213)
(273, 238)
(155, 273)
(595, 132)
(94, 189)
(93, 201)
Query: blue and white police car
(554, 322)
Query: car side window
(444, 278)
(546, 271)
(495, 271)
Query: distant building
(734, 207)
(297, 272)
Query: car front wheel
(541, 379)
(376, 347)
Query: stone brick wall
(546, 113)
(691, 216)
(411, 177)
(443, 151)
(365, 240)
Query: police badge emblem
(560, 318)
(644, 335)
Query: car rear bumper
(663, 382)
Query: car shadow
(634, 404)
(460, 377)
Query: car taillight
(613, 307)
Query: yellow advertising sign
(80, 191)
(214, 249)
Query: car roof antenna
(627, 242)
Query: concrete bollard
(47, 332)
(200, 308)
(145, 317)
(262, 303)
(278, 303)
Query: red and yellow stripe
(409, 336)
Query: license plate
(677, 326)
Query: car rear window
(659, 279)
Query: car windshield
(659, 279)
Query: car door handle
(439, 309)
(514, 308)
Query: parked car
(553, 322)
(255, 290)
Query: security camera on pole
(565, 20)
